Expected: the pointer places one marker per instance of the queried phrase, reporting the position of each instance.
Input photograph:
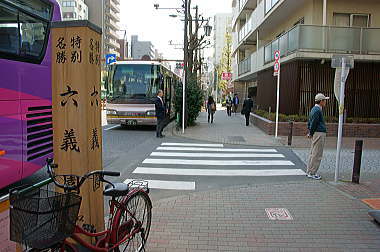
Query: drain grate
(236, 138)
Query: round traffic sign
(277, 55)
(276, 66)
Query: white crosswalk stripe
(213, 149)
(214, 172)
(192, 144)
(216, 155)
(217, 162)
(197, 160)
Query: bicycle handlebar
(81, 180)
(111, 173)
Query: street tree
(225, 62)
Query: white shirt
(161, 100)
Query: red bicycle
(43, 219)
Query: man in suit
(235, 102)
(160, 113)
(247, 108)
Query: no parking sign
(276, 66)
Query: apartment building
(106, 14)
(222, 24)
(141, 48)
(307, 33)
(73, 10)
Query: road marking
(217, 162)
(112, 127)
(192, 144)
(213, 172)
(169, 185)
(216, 155)
(214, 149)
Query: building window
(69, 15)
(352, 20)
(269, 4)
(69, 4)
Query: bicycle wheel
(139, 217)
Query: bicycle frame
(110, 235)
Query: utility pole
(185, 69)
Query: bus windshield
(134, 81)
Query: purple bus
(26, 134)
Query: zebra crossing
(181, 166)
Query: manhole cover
(236, 138)
(278, 214)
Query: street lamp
(207, 28)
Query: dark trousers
(210, 114)
(247, 119)
(235, 107)
(229, 110)
(160, 126)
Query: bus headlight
(111, 112)
(151, 113)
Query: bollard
(357, 161)
(290, 136)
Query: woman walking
(229, 105)
(211, 108)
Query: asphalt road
(176, 166)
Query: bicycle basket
(42, 218)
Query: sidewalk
(227, 130)
(235, 219)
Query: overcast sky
(142, 19)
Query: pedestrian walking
(211, 108)
(160, 113)
(317, 132)
(235, 103)
(246, 110)
(229, 105)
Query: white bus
(131, 88)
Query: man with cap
(317, 132)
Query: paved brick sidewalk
(234, 219)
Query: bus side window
(9, 34)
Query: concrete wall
(312, 12)
(305, 11)
(354, 7)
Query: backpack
(213, 107)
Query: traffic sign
(276, 55)
(276, 66)
(110, 58)
(226, 76)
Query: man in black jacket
(160, 113)
(247, 108)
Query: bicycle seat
(120, 189)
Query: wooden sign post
(76, 59)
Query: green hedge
(302, 118)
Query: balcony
(113, 24)
(252, 23)
(112, 15)
(325, 39)
(112, 33)
(114, 6)
(243, 7)
(311, 41)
